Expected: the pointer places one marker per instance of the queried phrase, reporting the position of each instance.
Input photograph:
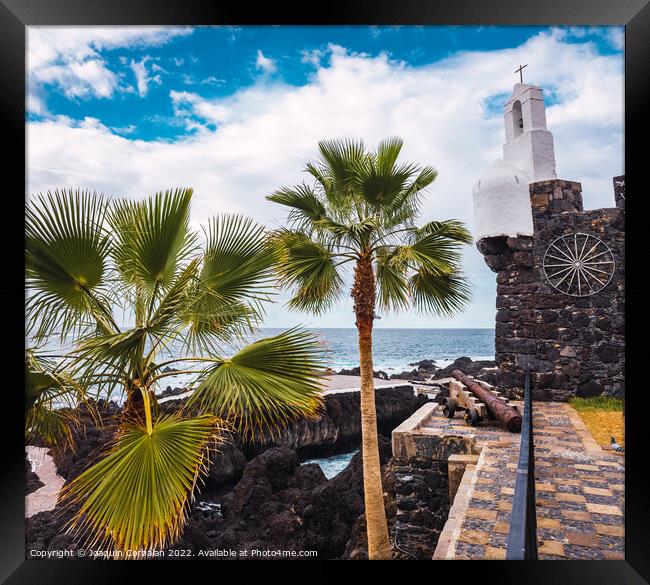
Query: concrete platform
(337, 383)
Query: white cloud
(142, 77)
(614, 35)
(265, 134)
(312, 56)
(266, 64)
(80, 78)
(212, 80)
(142, 81)
(69, 57)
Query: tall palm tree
(361, 207)
(87, 257)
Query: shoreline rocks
(482, 369)
(339, 429)
(427, 369)
(169, 391)
(379, 374)
(278, 504)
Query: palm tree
(361, 208)
(87, 257)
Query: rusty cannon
(476, 399)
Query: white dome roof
(502, 202)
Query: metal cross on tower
(520, 71)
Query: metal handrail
(522, 537)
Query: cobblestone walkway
(579, 490)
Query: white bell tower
(529, 144)
(501, 195)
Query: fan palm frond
(334, 171)
(266, 384)
(66, 253)
(451, 229)
(238, 263)
(393, 292)
(152, 237)
(51, 396)
(440, 294)
(306, 206)
(379, 179)
(137, 497)
(309, 267)
(405, 206)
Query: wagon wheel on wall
(578, 264)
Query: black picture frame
(15, 15)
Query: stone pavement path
(579, 491)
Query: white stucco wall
(502, 203)
(534, 153)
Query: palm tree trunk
(364, 308)
(135, 410)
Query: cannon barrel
(505, 414)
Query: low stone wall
(460, 502)
(422, 481)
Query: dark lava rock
(45, 531)
(588, 389)
(425, 365)
(380, 374)
(350, 372)
(32, 483)
(466, 365)
(608, 353)
(169, 391)
(339, 429)
(227, 467)
(90, 438)
(417, 375)
(282, 505)
(277, 503)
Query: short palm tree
(361, 207)
(87, 257)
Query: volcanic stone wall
(572, 345)
(422, 489)
(422, 486)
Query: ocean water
(333, 465)
(393, 349)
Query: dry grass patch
(603, 416)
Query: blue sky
(235, 112)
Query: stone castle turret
(560, 274)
